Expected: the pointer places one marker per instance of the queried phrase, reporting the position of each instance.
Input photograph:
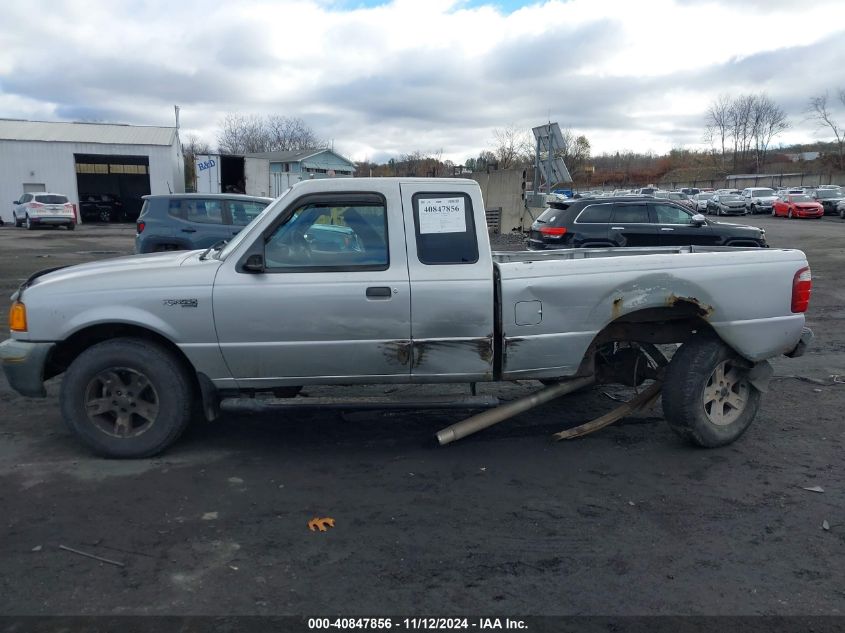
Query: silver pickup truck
(393, 281)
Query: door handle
(379, 292)
(189, 230)
(666, 229)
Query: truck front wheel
(127, 398)
(707, 397)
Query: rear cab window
(444, 228)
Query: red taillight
(802, 288)
(553, 231)
(35, 205)
(140, 227)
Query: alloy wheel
(121, 402)
(726, 393)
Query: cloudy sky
(385, 78)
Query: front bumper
(24, 363)
(806, 338)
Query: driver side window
(336, 236)
(669, 214)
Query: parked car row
(755, 199)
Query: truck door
(333, 303)
(207, 173)
(257, 175)
(451, 273)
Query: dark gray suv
(187, 221)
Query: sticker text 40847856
(442, 215)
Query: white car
(701, 199)
(759, 199)
(43, 209)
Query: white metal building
(75, 159)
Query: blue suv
(188, 221)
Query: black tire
(773, 212)
(71, 227)
(691, 378)
(28, 223)
(789, 215)
(152, 403)
(842, 214)
(104, 215)
(753, 209)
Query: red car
(797, 205)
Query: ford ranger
(404, 290)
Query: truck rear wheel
(707, 397)
(127, 398)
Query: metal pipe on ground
(499, 414)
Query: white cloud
(433, 75)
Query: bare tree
(241, 134)
(718, 125)
(247, 134)
(576, 150)
(819, 110)
(741, 127)
(512, 147)
(290, 133)
(747, 123)
(769, 121)
(194, 146)
(419, 163)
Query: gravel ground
(626, 521)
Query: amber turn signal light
(17, 317)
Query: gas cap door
(528, 312)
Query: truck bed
(502, 257)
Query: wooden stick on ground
(94, 556)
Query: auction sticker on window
(442, 215)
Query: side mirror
(699, 219)
(254, 263)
